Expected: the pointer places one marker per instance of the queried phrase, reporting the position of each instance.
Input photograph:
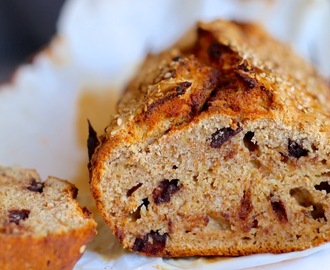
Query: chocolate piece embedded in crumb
(296, 150)
(165, 190)
(222, 135)
(182, 87)
(15, 215)
(152, 243)
(36, 186)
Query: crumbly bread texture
(219, 147)
(41, 224)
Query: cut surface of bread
(41, 224)
(219, 147)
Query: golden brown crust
(239, 121)
(41, 224)
(51, 252)
(271, 70)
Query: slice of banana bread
(218, 148)
(41, 224)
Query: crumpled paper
(80, 75)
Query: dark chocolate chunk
(247, 80)
(174, 167)
(74, 192)
(296, 150)
(254, 223)
(36, 186)
(216, 50)
(318, 212)
(152, 243)
(137, 213)
(133, 189)
(87, 212)
(222, 135)
(165, 190)
(244, 66)
(251, 83)
(16, 215)
(323, 186)
(145, 202)
(182, 87)
(92, 141)
(176, 58)
(279, 209)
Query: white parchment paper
(79, 76)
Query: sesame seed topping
(82, 249)
(167, 75)
(119, 121)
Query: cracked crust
(238, 126)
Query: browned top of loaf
(231, 68)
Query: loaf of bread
(221, 146)
(41, 224)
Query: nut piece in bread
(41, 224)
(218, 148)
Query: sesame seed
(150, 101)
(139, 110)
(82, 249)
(119, 121)
(278, 79)
(167, 75)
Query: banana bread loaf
(219, 147)
(41, 224)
